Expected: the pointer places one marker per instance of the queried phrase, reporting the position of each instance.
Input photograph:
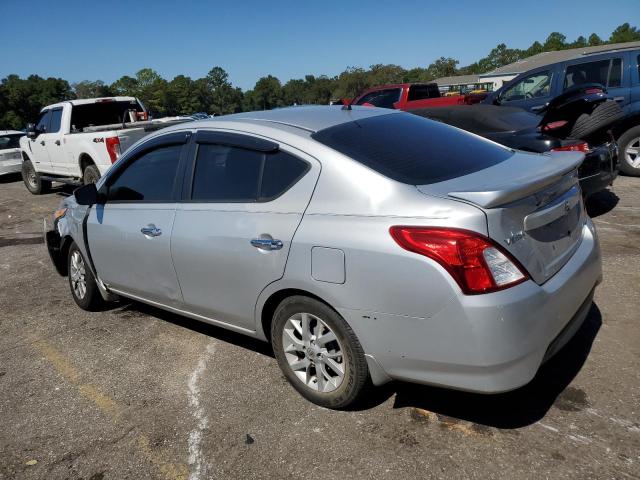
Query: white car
(10, 158)
(80, 139)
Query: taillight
(113, 148)
(576, 147)
(474, 261)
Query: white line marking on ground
(197, 463)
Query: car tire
(91, 174)
(339, 359)
(33, 180)
(82, 284)
(629, 152)
(602, 115)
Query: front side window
(604, 72)
(381, 98)
(149, 178)
(230, 174)
(43, 122)
(56, 117)
(537, 85)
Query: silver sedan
(362, 243)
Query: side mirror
(87, 194)
(31, 131)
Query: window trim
(167, 140)
(206, 137)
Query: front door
(55, 145)
(38, 146)
(130, 235)
(233, 230)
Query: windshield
(10, 141)
(101, 113)
(412, 149)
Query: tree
(222, 97)
(267, 93)
(91, 89)
(555, 41)
(579, 43)
(442, 67)
(594, 40)
(624, 33)
(181, 97)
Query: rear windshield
(412, 149)
(10, 141)
(101, 113)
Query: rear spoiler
(523, 185)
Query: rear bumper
(487, 343)
(9, 166)
(599, 169)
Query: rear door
(243, 201)
(129, 236)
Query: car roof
(86, 101)
(312, 118)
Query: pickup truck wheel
(84, 288)
(629, 152)
(91, 175)
(318, 352)
(32, 179)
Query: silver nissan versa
(363, 243)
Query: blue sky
(79, 40)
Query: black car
(579, 120)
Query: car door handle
(537, 108)
(41, 142)
(266, 243)
(619, 99)
(57, 142)
(151, 231)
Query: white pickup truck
(81, 139)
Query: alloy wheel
(77, 274)
(313, 352)
(632, 153)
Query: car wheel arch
(270, 305)
(84, 160)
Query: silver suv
(363, 243)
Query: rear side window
(615, 75)
(281, 171)
(149, 178)
(231, 174)
(412, 149)
(420, 92)
(56, 117)
(605, 72)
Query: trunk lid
(533, 205)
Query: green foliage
(22, 99)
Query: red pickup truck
(409, 96)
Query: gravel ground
(134, 392)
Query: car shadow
(11, 178)
(520, 407)
(510, 410)
(131, 308)
(602, 202)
